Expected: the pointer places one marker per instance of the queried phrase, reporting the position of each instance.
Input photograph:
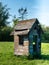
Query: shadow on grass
(45, 57)
(42, 57)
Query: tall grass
(7, 55)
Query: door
(34, 44)
(31, 46)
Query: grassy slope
(7, 55)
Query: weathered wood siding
(34, 49)
(21, 49)
(28, 47)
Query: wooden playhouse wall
(20, 49)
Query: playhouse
(27, 37)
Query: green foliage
(4, 15)
(5, 34)
(7, 55)
(45, 35)
(15, 21)
(4, 29)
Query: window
(21, 39)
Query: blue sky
(36, 9)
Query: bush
(5, 34)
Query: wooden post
(16, 43)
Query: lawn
(7, 55)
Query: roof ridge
(29, 19)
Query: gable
(35, 29)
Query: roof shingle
(25, 24)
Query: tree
(15, 20)
(4, 29)
(4, 15)
(45, 36)
(22, 12)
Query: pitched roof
(23, 27)
(25, 24)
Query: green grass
(7, 55)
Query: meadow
(7, 55)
